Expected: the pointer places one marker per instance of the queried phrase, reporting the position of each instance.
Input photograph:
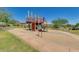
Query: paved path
(51, 41)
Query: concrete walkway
(51, 41)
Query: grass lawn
(74, 31)
(10, 43)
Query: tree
(59, 22)
(77, 25)
(4, 16)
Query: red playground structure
(34, 21)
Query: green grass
(74, 31)
(11, 43)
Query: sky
(50, 13)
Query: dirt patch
(51, 41)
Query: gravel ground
(53, 40)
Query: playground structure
(34, 21)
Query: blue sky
(50, 13)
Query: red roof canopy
(39, 20)
(36, 21)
